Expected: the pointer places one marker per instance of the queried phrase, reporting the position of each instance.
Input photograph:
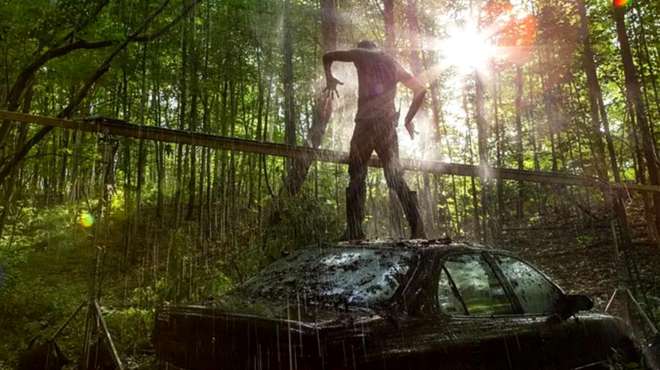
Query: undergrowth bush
(131, 328)
(47, 257)
(44, 257)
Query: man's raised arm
(419, 92)
(335, 56)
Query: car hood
(235, 330)
(297, 312)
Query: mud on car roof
(444, 243)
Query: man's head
(366, 44)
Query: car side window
(448, 301)
(535, 293)
(478, 286)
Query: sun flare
(468, 50)
(621, 3)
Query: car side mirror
(572, 304)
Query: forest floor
(54, 279)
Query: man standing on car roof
(375, 129)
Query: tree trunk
(519, 140)
(598, 114)
(183, 101)
(10, 186)
(646, 58)
(287, 82)
(594, 90)
(482, 146)
(395, 213)
(390, 26)
(322, 110)
(416, 57)
(498, 148)
(634, 97)
(192, 124)
(473, 188)
(141, 162)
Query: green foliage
(131, 328)
(584, 241)
(35, 230)
(298, 222)
(149, 296)
(45, 262)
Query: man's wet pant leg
(362, 146)
(387, 149)
(381, 136)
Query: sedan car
(393, 305)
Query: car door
(468, 320)
(482, 315)
(441, 334)
(563, 343)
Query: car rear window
(535, 293)
(355, 276)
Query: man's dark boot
(411, 209)
(354, 215)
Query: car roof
(440, 246)
(437, 245)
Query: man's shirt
(378, 75)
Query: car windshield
(354, 276)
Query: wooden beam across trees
(109, 126)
